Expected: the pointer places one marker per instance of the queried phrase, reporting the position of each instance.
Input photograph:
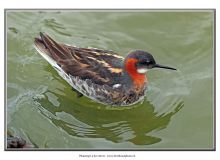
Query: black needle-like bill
(162, 66)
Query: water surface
(176, 113)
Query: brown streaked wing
(101, 66)
(57, 51)
(110, 57)
(40, 44)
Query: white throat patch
(142, 70)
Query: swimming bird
(102, 75)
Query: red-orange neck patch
(138, 78)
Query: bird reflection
(128, 124)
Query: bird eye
(146, 62)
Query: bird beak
(162, 66)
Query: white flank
(50, 60)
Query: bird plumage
(101, 75)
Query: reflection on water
(131, 124)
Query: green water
(176, 113)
